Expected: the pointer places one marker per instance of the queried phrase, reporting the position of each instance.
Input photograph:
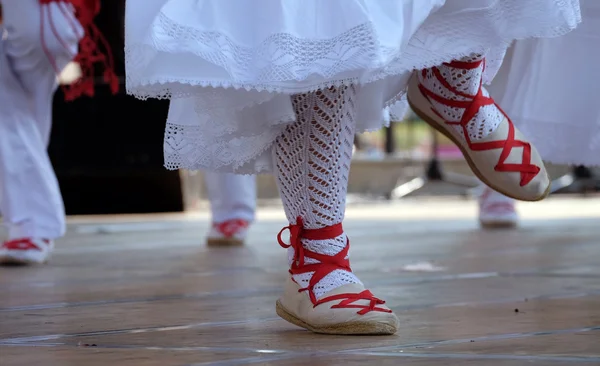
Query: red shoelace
(472, 106)
(327, 265)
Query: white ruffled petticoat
(229, 66)
(551, 90)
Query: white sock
(466, 81)
(312, 160)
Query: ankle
(452, 88)
(318, 258)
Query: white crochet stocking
(466, 81)
(312, 159)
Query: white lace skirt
(229, 66)
(551, 90)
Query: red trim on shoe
(327, 265)
(472, 106)
(231, 227)
(22, 244)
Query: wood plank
(146, 291)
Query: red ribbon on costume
(90, 53)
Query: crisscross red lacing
(327, 265)
(231, 227)
(472, 106)
(90, 47)
(22, 244)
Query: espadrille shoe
(452, 100)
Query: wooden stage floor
(144, 290)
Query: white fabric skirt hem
(230, 81)
(185, 148)
(175, 57)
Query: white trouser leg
(31, 203)
(29, 61)
(231, 196)
(495, 209)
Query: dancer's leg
(31, 203)
(495, 209)
(312, 161)
(233, 204)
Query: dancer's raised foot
(451, 98)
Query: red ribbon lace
(472, 105)
(327, 265)
(90, 53)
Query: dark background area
(107, 150)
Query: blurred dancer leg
(495, 210)
(31, 202)
(233, 204)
